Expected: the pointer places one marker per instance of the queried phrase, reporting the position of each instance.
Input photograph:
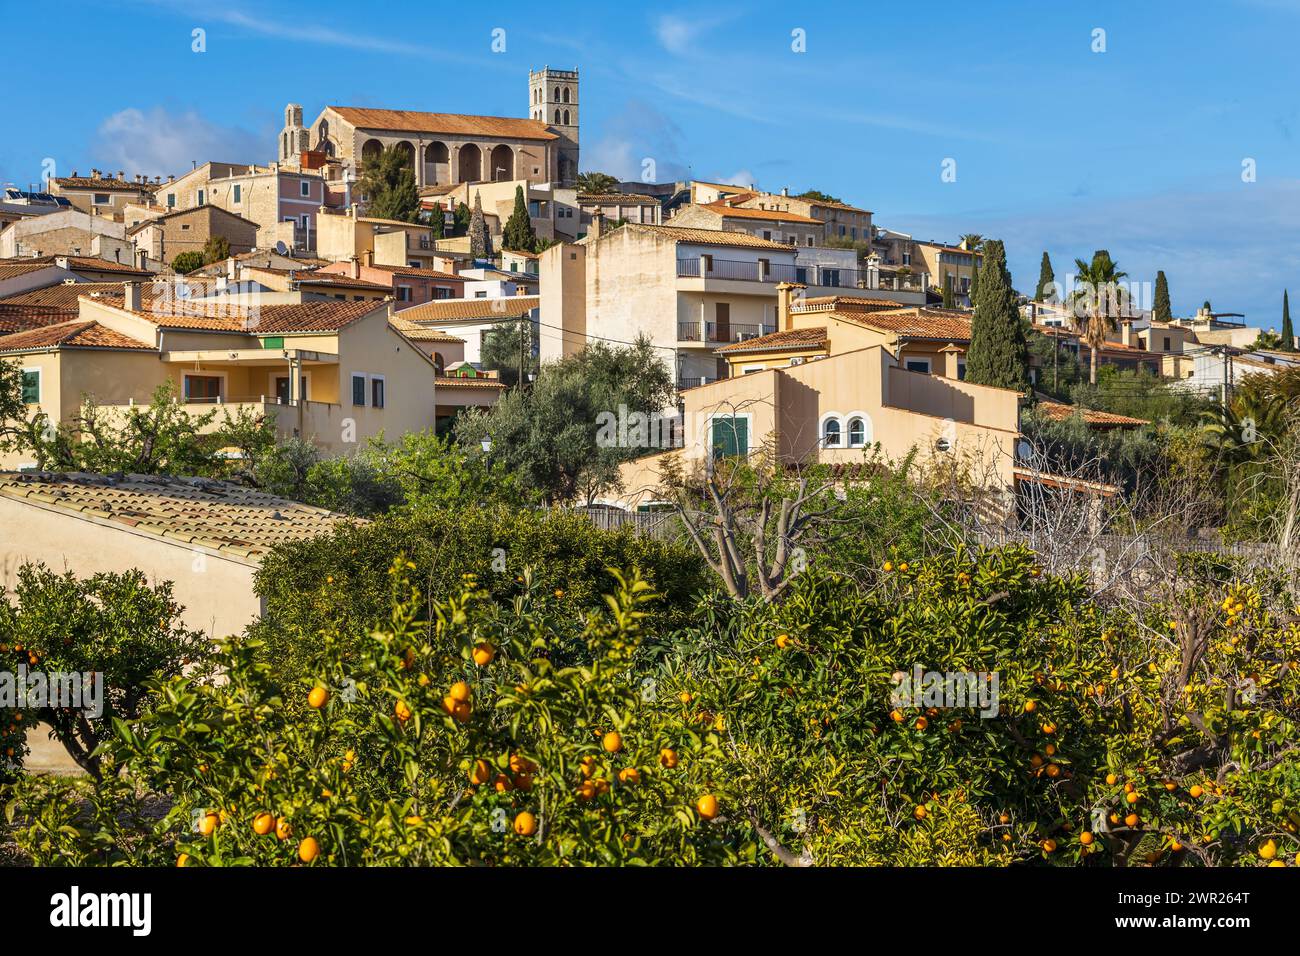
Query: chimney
(131, 296)
(597, 224)
(74, 174)
(369, 257)
(1126, 333)
(784, 295)
(785, 190)
(354, 267)
(171, 178)
(232, 268)
(121, 175)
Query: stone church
(450, 148)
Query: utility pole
(1056, 354)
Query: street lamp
(486, 444)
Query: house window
(202, 388)
(907, 258)
(918, 365)
(708, 263)
(1167, 343)
(857, 432)
(238, 192)
(171, 200)
(31, 386)
(203, 197)
(304, 188)
(440, 292)
(305, 221)
(100, 199)
(403, 293)
(359, 390)
(831, 433)
(377, 391)
(831, 277)
(961, 371)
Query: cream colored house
(335, 373)
(102, 193)
(688, 290)
(772, 224)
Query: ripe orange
(1086, 838)
(521, 764)
(612, 742)
(1004, 818)
(282, 829)
(889, 565)
(263, 823)
(668, 758)
(318, 697)
(308, 849)
(707, 806)
(783, 641)
(1111, 779)
(1048, 845)
(183, 859)
(921, 723)
(525, 824)
(1196, 791)
(502, 784)
(896, 716)
(208, 824)
(480, 773)
(1053, 770)
(459, 692)
(919, 813)
(1268, 850)
(1133, 797)
(483, 654)
(402, 711)
(460, 713)
(1131, 820)
(1030, 706)
(629, 775)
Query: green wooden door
(730, 437)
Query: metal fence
(663, 525)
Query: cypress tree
(519, 235)
(1288, 333)
(998, 354)
(480, 243)
(1160, 309)
(974, 278)
(948, 301)
(1046, 279)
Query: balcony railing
(809, 275)
(721, 333)
(684, 381)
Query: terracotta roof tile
(916, 323)
(772, 215)
(108, 185)
(707, 237)
(500, 307)
(452, 381)
(12, 268)
(228, 518)
(75, 334)
(63, 295)
(216, 315)
(84, 263)
(1059, 411)
(415, 121)
(778, 341)
(421, 333)
(16, 317)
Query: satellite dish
(281, 248)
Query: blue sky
(1138, 149)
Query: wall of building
(215, 590)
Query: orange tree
(455, 739)
(491, 731)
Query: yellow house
(922, 339)
(837, 379)
(335, 373)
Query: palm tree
(1097, 289)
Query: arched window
(857, 432)
(566, 94)
(557, 94)
(831, 433)
(566, 117)
(557, 117)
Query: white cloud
(637, 141)
(158, 142)
(741, 177)
(675, 33)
